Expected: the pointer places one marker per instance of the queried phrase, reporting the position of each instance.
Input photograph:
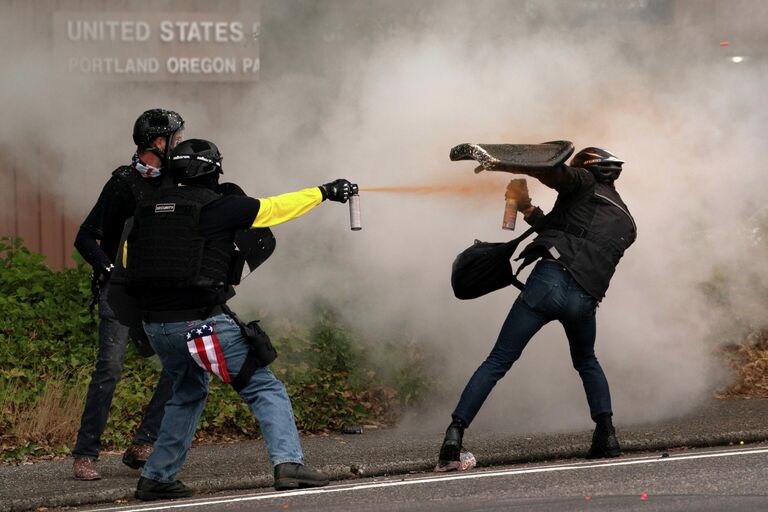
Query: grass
(44, 426)
(748, 361)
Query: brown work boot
(84, 468)
(136, 455)
(290, 475)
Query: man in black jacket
(179, 264)
(578, 246)
(155, 133)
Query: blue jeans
(264, 394)
(113, 337)
(550, 294)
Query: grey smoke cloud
(384, 109)
(416, 95)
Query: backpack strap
(512, 247)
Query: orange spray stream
(465, 189)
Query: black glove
(338, 190)
(99, 278)
(103, 275)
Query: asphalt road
(702, 480)
(244, 466)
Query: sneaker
(136, 455)
(84, 468)
(290, 475)
(148, 489)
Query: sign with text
(158, 46)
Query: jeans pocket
(536, 290)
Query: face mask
(146, 170)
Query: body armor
(166, 248)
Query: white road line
(437, 479)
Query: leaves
(49, 340)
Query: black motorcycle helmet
(154, 123)
(196, 161)
(604, 165)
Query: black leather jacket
(587, 231)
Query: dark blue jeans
(113, 337)
(550, 294)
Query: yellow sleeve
(278, 209)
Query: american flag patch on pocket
(203, 346)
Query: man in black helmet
(180, 260)
(578, 246)
(155, 132)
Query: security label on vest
(165, 207)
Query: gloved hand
(517, 190)
(338, 190)
(102, 275)
(99, 278)
(106, 273)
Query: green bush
(45, 325)
(49, 341)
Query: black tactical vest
(587, 231)
(166, 248)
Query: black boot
(604, 442)
(290, 475)
(149, 489)
(450, 451)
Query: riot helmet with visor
(196, 161)
(155, 123)
(604, 165)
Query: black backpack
(484, 267)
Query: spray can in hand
(510, 215)
(355, 222)
(516, 190)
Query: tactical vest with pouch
(166, 248)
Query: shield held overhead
(529, 159)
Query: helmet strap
(164, 156)
(158, 153)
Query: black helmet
(603, 164)
(155, 123)
(193, 158)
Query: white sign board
(158, 46)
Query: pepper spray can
(510, 215)
(355, 222)
(514, 189)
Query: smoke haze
(384, 107)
